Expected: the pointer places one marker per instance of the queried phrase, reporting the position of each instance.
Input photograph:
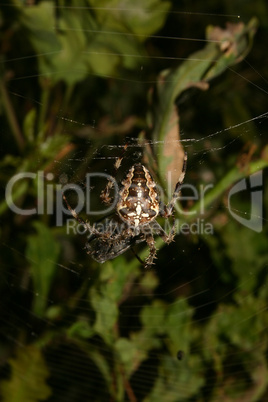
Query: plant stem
(11, 116)
(228, 180)
(43, 112)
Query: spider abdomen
(138, 204)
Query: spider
(137, 208)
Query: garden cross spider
(137, 208)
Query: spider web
(194, 326)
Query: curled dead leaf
(173, 149)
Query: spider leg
(168, 238)
(86, 225)
(168, 210)
(105, 194)
(136, 255)
(172, 232)
(151, 244)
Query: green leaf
(149, 281)
(177, 380)
(42, 252)
(116, 278)
(80, 329)
(71, 63)
(59, 42)
(245, 249)
(236, 331)
(142, 18)
(197, 70)
(153, 317)
(106, 315)
(248, 252)
(145, 341)
(40, 23)
(28, 377)
(178, 325)
(241, 323)
(75, 44)
(128, 354)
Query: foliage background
(70, 329)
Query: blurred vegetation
(77, 77)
